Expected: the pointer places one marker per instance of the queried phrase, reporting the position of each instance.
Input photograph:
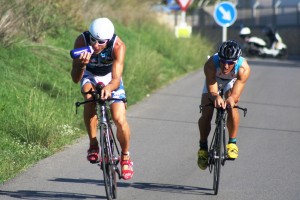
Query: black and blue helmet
(229, 50)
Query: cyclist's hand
(219, 102)
(105, 93)
(85, 57)
(230, 102)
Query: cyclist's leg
(118, 110)
(204, 124)
(89, 114)
(90, 119)
(123, 134)
(233, 120)
(205, 119)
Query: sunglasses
(99, 41)
(229, 62)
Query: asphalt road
(165, 143)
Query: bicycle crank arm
(118, 172)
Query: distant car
(166, 6)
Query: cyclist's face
(98, 46)
(226, 66)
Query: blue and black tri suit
(225, 81)
(100, 66)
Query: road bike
(109, 151)
(217, 154)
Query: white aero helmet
(245, 31)
(102, 29)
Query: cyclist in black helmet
(229, 71)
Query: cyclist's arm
(117, 68)
(210, 78)
(238, 87)
(80, 63)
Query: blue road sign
(173, 5)
(225, 14)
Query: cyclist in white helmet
(229, 71)
(104, 65)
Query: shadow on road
(31, 194)
(158, 187)
(182, 189)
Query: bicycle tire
(109, 175)
(224, 150)
(115, 161)
(218, 156)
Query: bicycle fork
(111, 159)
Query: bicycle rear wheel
(108, 164)
(218, 157)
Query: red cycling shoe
(128, 172)
(93, 154)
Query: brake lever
(245, 111)
(77, 104)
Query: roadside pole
(225, 15)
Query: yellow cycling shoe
(202, 159)
(232, 151)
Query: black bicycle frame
(217, 149)
(107, 140)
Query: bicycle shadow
(160, 187)
(156, 187)
(170, 188)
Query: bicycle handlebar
(77, 104)
(99, 86)
(227, 107)
(94, 93)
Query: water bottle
(75, 53)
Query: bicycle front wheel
(218, 157)
(107, 164)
